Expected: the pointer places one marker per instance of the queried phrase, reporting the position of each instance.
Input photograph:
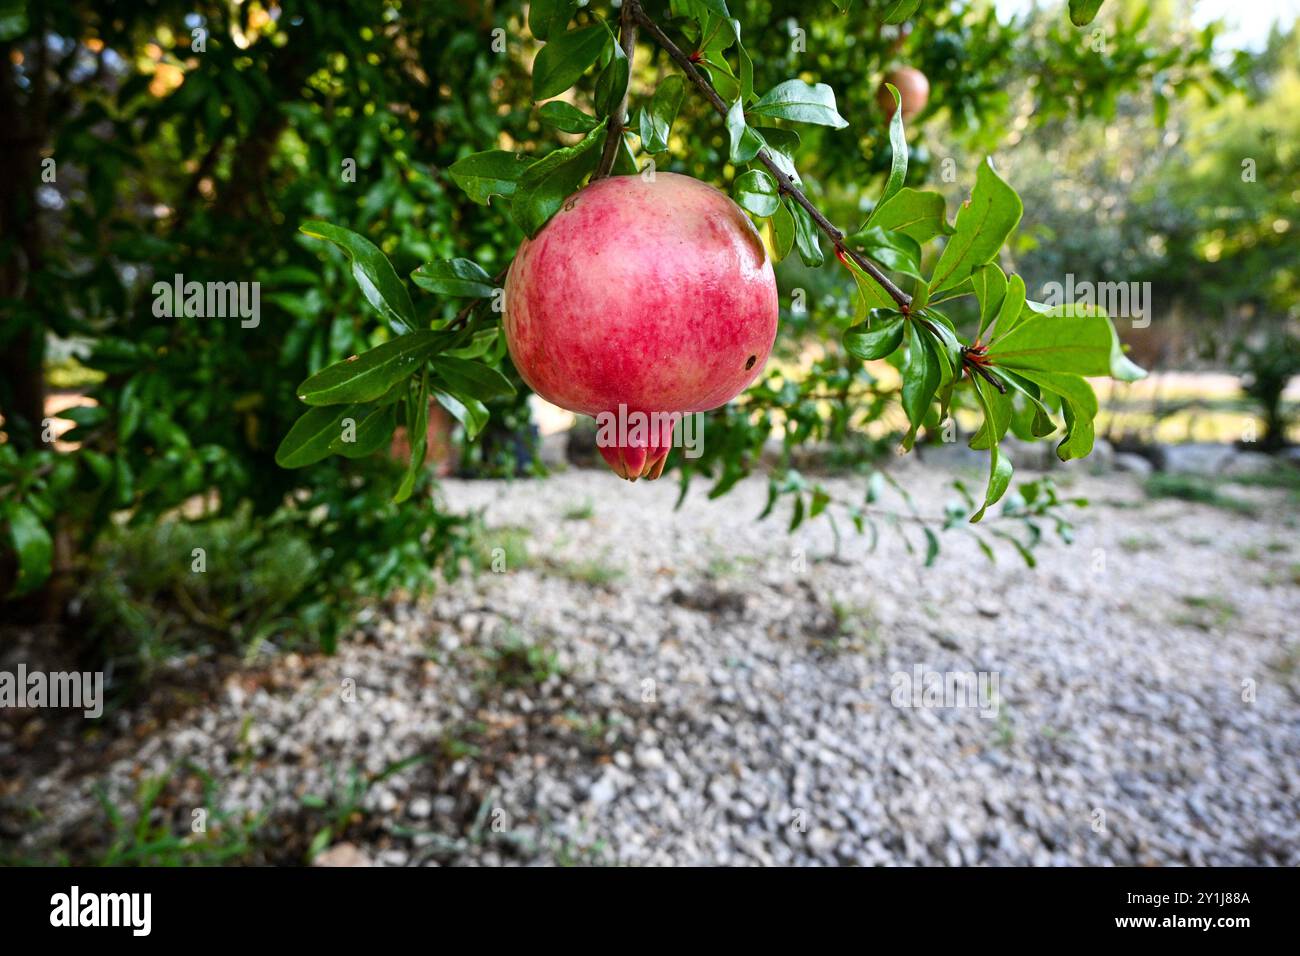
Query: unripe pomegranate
(912, 86)
(649, 296)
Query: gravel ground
(647, 686)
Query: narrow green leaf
(657, 120)
(912, 212)
(370, 374)
(372, 271)
(898, 11)
(1083, 12)
(897, 148)
(982, 226)
(612, 82)
(491, 173)
(566, 117)
(756, 192)
(990, 285)
(470, 412)
(547, 183)
(1000, 468)
(373, 432)
(454, 277)
(745, 143)
(806, 237)
(893, 250)
(32, 545)
(801, 102)
(474, 379)
(1012, 310)
(565, 58)
(875, 339)
(782, 226)
(417, 431)
(920, 379)
(311, 436)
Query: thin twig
(786, 185)
(463, 315)
(618, 119)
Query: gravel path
(649, 686)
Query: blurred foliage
(163, 139)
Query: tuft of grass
(1198, 489)
(502, 548)
(513, 661)
(148, 837)
(589, 571)
(1135, 544)
(342, 806)
(580, 511)
(1207, 611)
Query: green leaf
(873, 294)
(470, 412)
(893, 250)
(920, 379)
(877, 338)
(565, 58)
(566, 117)
(1082, 12)
(657, 120)
(370, 374)
(1080, 406)
(782, 226)
(487, 174)
(898, 11)
(1055, 342)
(547, 183)
(311, 436)
(982, 226)
(990, 285)
(806, 237)
(801, 102)
(373, 432)
(32, 545)
(782, 144)
(756, 192)
(474, 379)
(1000, 469)
(997, 418)
(1012, 309)
(372, 272)
(612, 82)
(745, 143)
(897, 148)
(912, 212)
(548, 16)
(454, 277)
(417, 431)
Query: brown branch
(632, 8)
(618, 118)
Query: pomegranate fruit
(913, 88)
(643, 296)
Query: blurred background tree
(146, 140)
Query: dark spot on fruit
(752, 360)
